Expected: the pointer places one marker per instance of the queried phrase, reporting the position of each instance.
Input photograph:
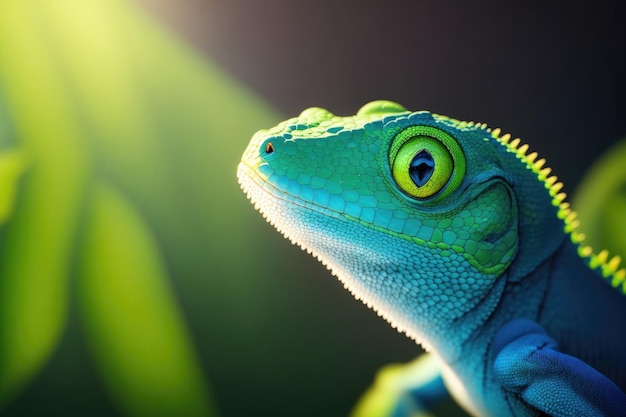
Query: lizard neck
(508, 299)
(467, 369)
(582, 311)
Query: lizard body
(459, 237)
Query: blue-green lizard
(458, 236)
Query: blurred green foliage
(12, 165)
(128, 139)
(135, 328)
(600, 202)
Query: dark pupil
(422, 168)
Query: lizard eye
(426, 162)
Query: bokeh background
(136, 280)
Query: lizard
(461, 238)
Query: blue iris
(422, 167)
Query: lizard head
(418, 215)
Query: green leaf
(97, 92)
(11, 167)
(600, 202)
(37, 242)
(134, 326)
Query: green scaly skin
(459, 237)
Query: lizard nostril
(269, 148)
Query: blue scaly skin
(459, 237)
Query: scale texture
(459, 237)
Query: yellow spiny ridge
(608, 266)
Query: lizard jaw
(278, 209)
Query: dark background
(551, 73)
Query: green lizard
(460, 238)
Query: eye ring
(426, 163)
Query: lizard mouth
(269, 199)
